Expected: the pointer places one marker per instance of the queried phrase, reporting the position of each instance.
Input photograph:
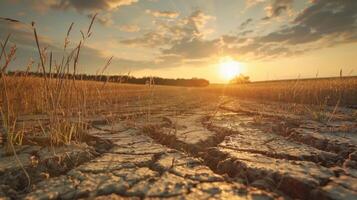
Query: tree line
(193, 82)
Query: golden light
(229, 68)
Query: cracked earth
(197, 147)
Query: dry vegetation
(322, 92)
(65, 102)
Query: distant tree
(193, 82)
(241, 79)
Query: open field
(323, 91)
(28, 94)
(105, 140)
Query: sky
(270, 39)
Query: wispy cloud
(324, 23)
(167, 14)
(168, 33)
(277, 7)
(129, 28)
(250, 3)
(245, 23)
(81, 5)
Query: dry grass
(321, 92)
(78, 100)
(28, 97)
(63, 101)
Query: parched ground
(194, 145)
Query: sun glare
(229, 68)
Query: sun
(229, 68)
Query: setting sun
(229, 68)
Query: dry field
(323, 91)
(72, 139)
(108, 140)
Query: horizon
(265, 40)
(317, 78)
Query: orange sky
(272, 39)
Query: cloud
(250, 3)
(90, 59)
(127, 65)
(277, 8)
(79, 5)
(167, 33)
(169, 59)
(180, 42)
(194, 49)
(199, 19)
(167, 14)
(245, 23)
(324, 23)
(274, 8)
(89, 5)
(129, 28)
(323, 20)
(22, 35)
(151, 39)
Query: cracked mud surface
(200, 147)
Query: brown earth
(195, 146)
